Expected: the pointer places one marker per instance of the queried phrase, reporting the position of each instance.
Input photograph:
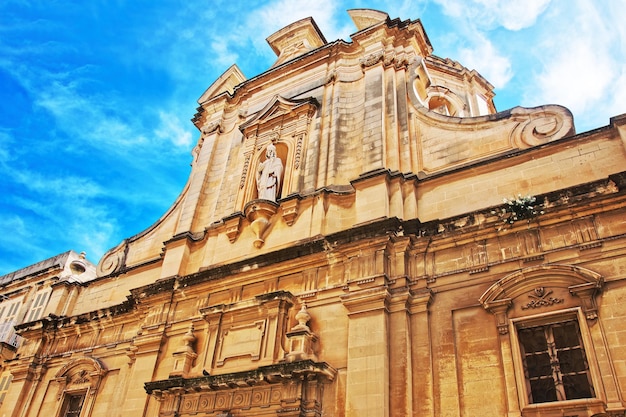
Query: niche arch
(443, 101)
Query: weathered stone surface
(386, 278)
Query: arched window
(545, 316)
(78, 382)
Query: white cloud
(488, 61)
(487, 14)
(59, 186)
(583, 61)
(578, 75)
(171, 129)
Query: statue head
(270, 152)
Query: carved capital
(371, 59)
(212, 127)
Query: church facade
(361, 234)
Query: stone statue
(269, 174)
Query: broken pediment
(296, 39)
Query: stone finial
(189, 339)
(303, 318)
(301, 341)
(184, 355)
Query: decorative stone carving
(269, 175)
(298, 156)
(260, 213)
(499, 308)
(233, 225)
(371, 59)
(184, 355)
(587, 293)
(290, 210)
(301, 340)
(581, 282)
(212, 127)
(81, 374)
(248, 332)
(244, 172)
(113, 261)
(541, 298)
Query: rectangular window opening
(73, 405)
(555, 363)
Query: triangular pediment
(225, 83)
(278, 107)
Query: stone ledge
(265, 374)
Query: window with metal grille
(72, 405)
(555, 363)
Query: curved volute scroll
(113, 261)
(542, 288)
(465, 116)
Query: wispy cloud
(583, 60)
(491, 64)
(489, 14)
(171, 130)
(97, 96)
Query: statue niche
(274, 142)
(268, 179)
(269, 175)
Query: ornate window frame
(79, 376)
(540, 295)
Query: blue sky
(96, 96)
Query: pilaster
(143, 356)
(421, 358)
(367, 392)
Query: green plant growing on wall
(518, 208)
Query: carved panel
(247, 334)
(576, 232)
(241, 398)
(242, 340)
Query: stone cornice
(440, 229)
(265, 374)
